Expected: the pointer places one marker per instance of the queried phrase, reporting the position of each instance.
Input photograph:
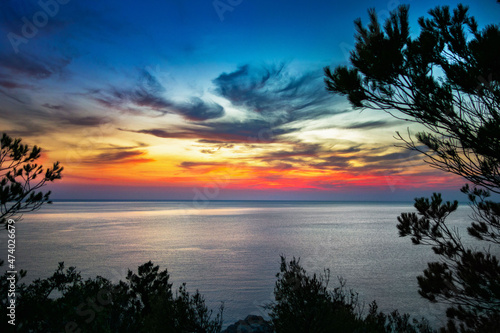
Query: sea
(230, 250)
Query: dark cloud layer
(33, 66)
(249, 131)
(299, 150)
(334, 162)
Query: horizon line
(236, 200)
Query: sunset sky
(204, 100)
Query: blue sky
(187, 87)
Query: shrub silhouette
(144, 302)
(304, 303)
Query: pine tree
(446, 79)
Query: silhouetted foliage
(21, 179)
(468, 279)
(446, 79)
(144, 302)
(304, 303)
(20, 182)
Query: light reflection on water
(230, 250)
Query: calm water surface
(230, 251)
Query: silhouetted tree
(21, 179)
(305, 303)
(446, 79)
(20, 182)
(153, 307)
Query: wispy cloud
(338, 162)
(249, 131)
(274, 91)
(123, 99)
(33, 66)
(52, 107)
(300, 149)
(148, 94)
(10, 84)
(189, 165)
(122, 156)
(371, 124)
(270, 97)
(199, 110)
(85, 121)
